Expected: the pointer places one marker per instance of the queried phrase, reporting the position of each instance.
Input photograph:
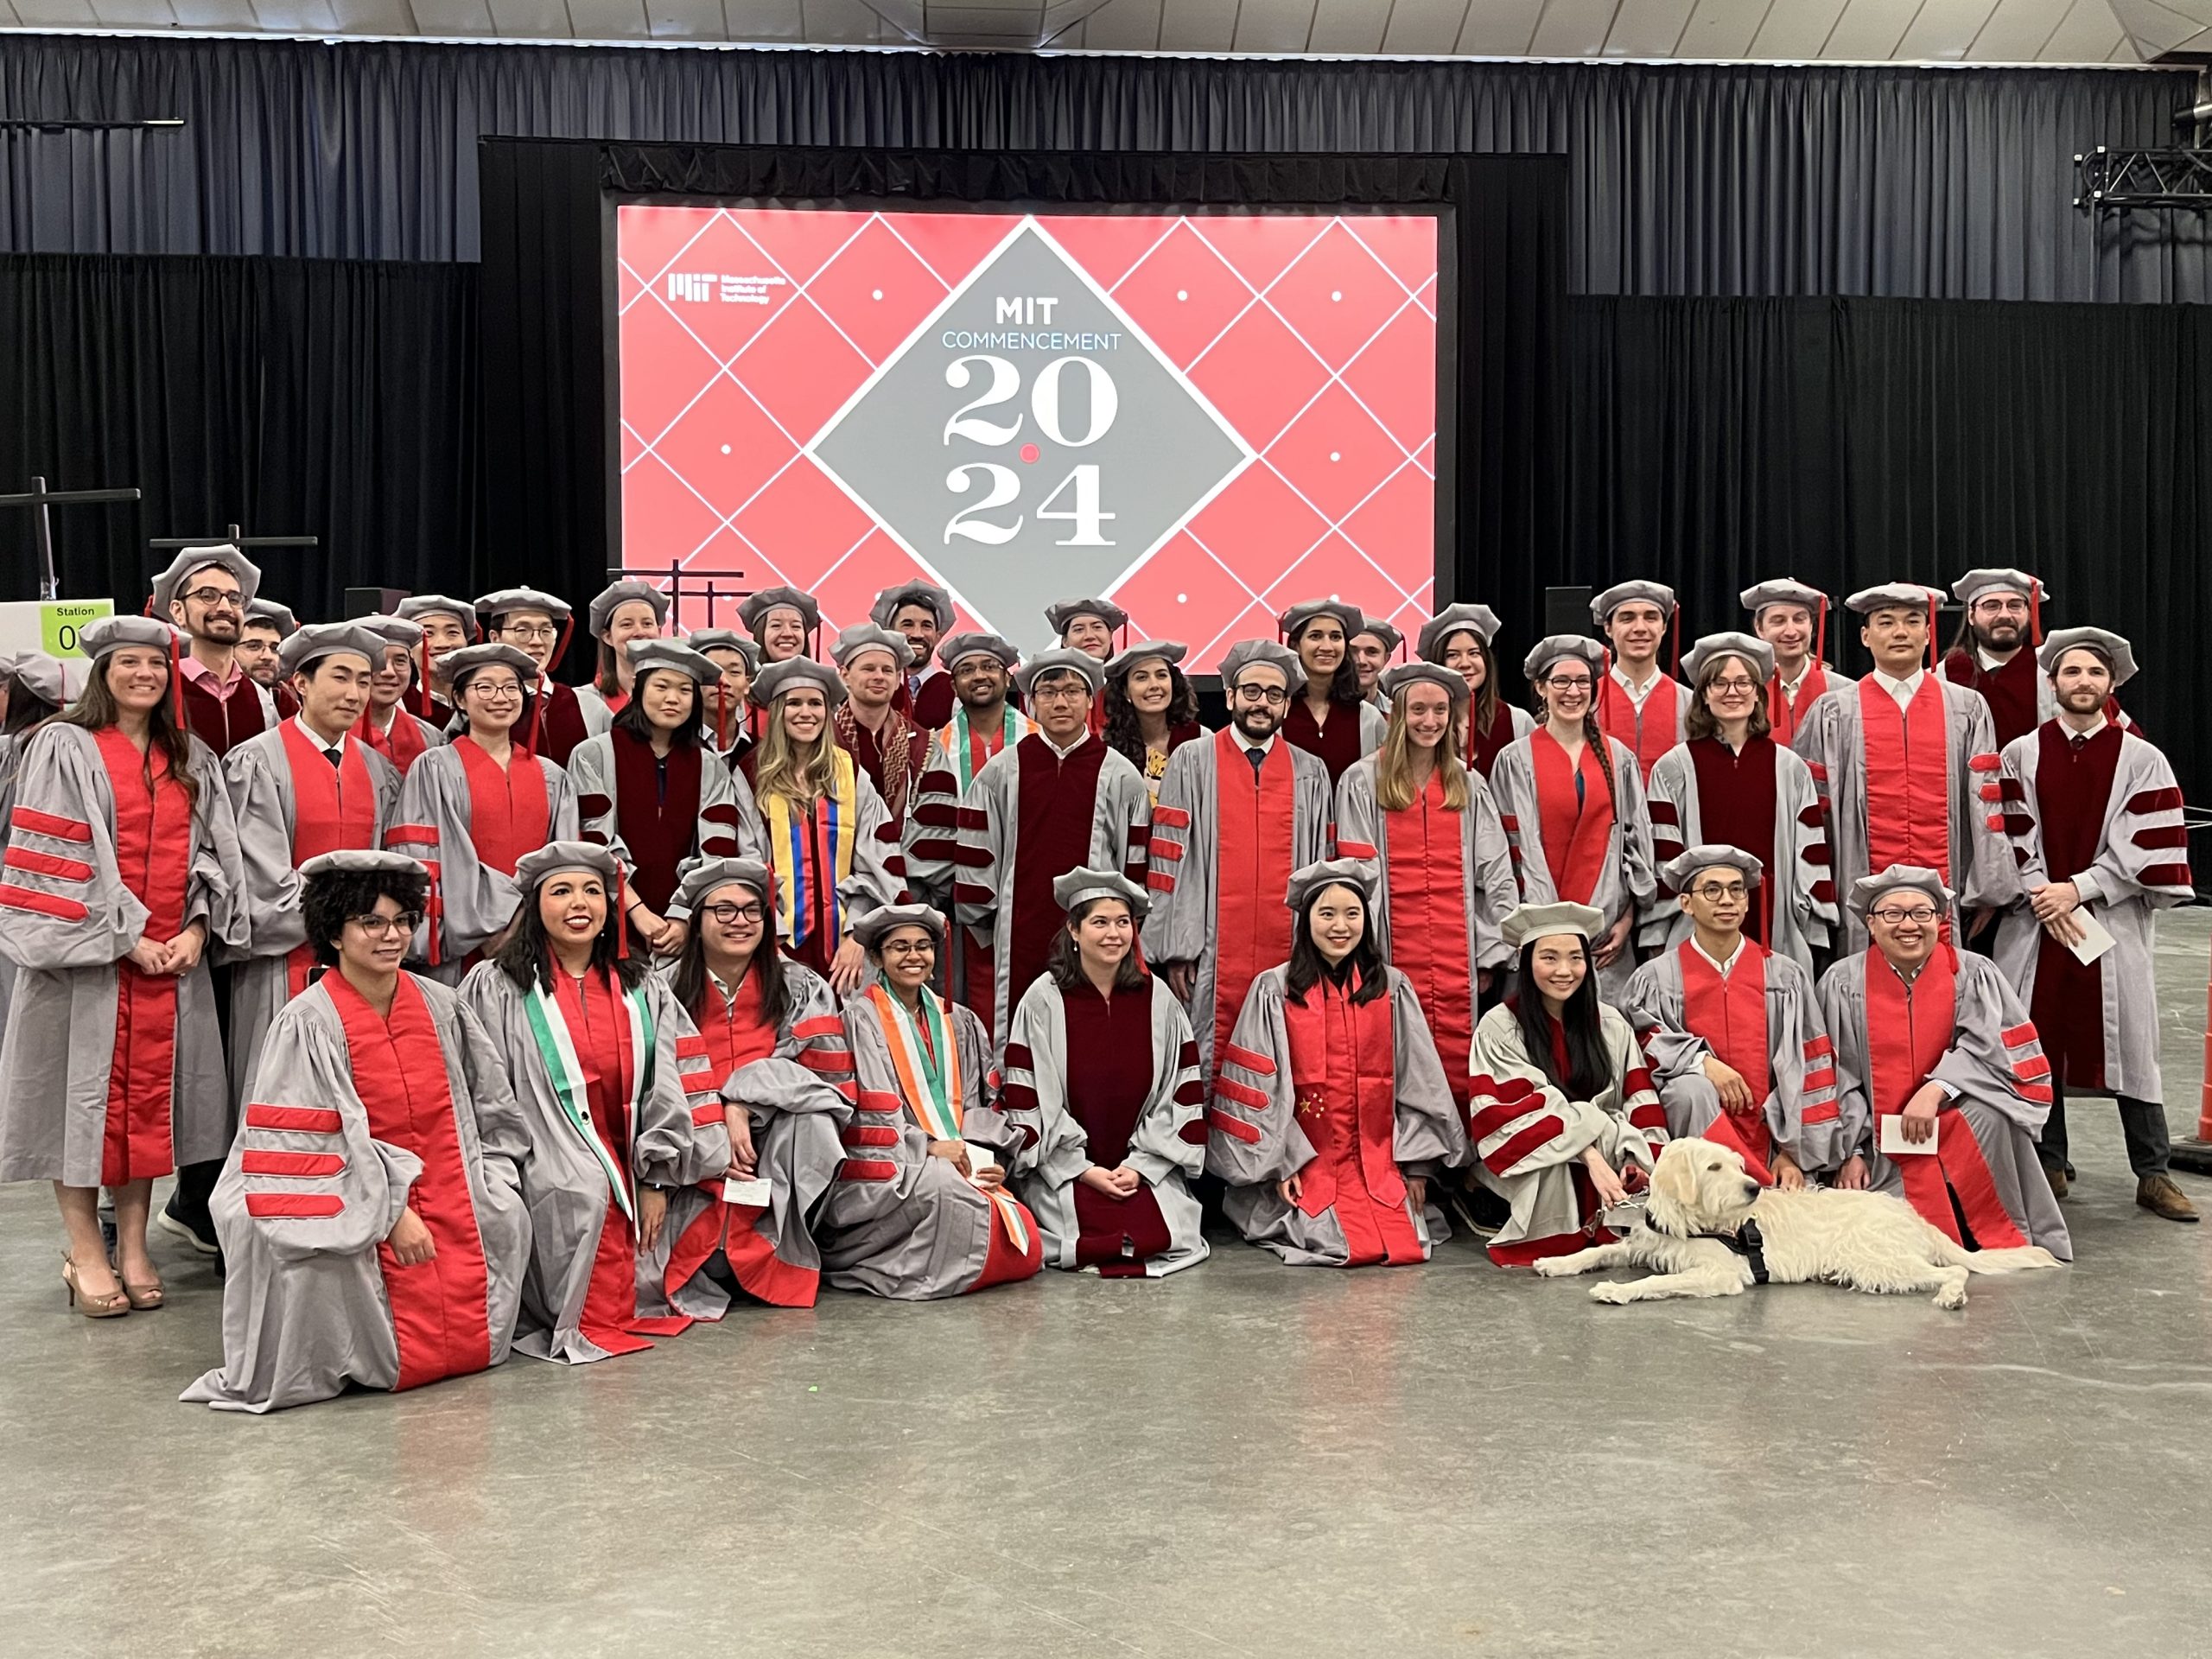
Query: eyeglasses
(1060, 690)
(229, 599)
(1713, 892)
(1570, 682)
(909, 948)
(1733, 683)
(726, 914)
(1272, 695)
(1922, 914)
(381, 927)
(2003, 606)
(521, 631)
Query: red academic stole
(396, 1065)
(153, 856)
(736, 1031)
(1337, 742)
(1577, 835)
(333, 809)
(1343, 1069)
(2010, 688)
(2073, 799)
(404, 745)
(222, 723)
(657, 825)
(1908, 1028)
(1728, 1011)
(1908, 771)
(1650, 734)
(599, 1027)
(508, 812)
(1426, 876)
(1736, 808)
(1783, 714)
(1253, 834)
(556, 731)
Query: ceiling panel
(134, 13)
(1197, 25)
(2016, 31)
(1943, 30)
(56, 14)
(2088, 33)
(1123, 26)
(1273, 25)
(1424, 27)
(376, 16)
(1347, 26)
(1647, 29)
(685, 20)
(218, 14)
(443, 17)
(1869, 29)
(1499, 29)
(1573, 29)
(1722, 29)
(2154, 26)
(1795, 29)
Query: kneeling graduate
(920, 1208)
(1331, 1108)
(595, 1048)
(1103, 1062)
(371, 1211)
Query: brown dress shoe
(2163, 1200)
(2057, 1177)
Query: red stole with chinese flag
(1728, 1011)
(1650, 731)
(1252, 840)
(333, 809)
(1909, 1029)
(396, 1064)
(508, 812)
(1783, 713)
(1908, 778)
(1577, 833)
(153, 855)
(1343, 1070)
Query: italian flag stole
(548, 1027)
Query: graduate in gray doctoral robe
(371, 1211)
(615, 1122)
(73, 1109)
(1935, 1035)
(1537, 802)
(1058, 800)
(1925, 761)
(1331, 1113)
(1721, 1002)
(920, 1210)
(472, 810)
(292, 805)
(762, 1022)
(1540, 1130)
(34, 695)
(1225, 837)
(1110, 1078)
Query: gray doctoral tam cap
(1528, 922)
(1757, 652)
(1678, 871)
(190, 560)
(1867, 890)
(2115, 649)
(1254, 653)
(1080, 884)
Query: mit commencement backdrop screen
(1204, 418)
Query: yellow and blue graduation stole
(837, 815)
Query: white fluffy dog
(1701, 1198)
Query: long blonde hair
(802, 775)
(1393, 768)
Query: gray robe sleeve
(1253, 1133)
(499, 1129)
(1981, 856)
(1170, 1136)
(591, 776)
(1037, 1037)
(982, 858)
(1842, 994)
(1180, 853)
(470, 901)
(670, 1144)
(1995, 1056)
(316, 1181)
(875, 881)
(933, 826)
(65, 901)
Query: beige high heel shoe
(112, 1306)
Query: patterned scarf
(901, 743)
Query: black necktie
(1258, 758)
(337, 761)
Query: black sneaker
(176, 1225)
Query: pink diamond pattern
(1314, 336)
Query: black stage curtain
(1851, 441)
(545, 506)
(290, 396)
(1741, 179)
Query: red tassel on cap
(1932, 602)
(2035, 612)
(1676, 669)
(1821, 632)
(423, 683)
(176, 683)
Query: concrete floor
(1246, 1460)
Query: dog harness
(1747, 1242)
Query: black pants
(2142, 1123)
(195, 1182)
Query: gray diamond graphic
(1028, 443)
